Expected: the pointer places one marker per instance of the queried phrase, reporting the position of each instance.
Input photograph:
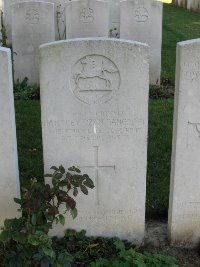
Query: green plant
(113, 33)
(161, 92)
(23, 91)
(132, 258)
(3, 39)
(25, 240)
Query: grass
(179, 24)
(29, 140)
(159, 156)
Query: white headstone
(97, 120)
(87, 18)
(195, 5)
(184, 206)
(9, 174)
(59, 16)
(32, 25)
(141, 20)
(189, 4)
(182, 3)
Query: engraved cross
(96, 166)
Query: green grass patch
(179, 24)
(29, 138)
(159, 156)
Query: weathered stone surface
(184, 205)
(142, 21)
(87, 18)
(94, 115)
(59, 16)
(9, 174)
(32, 25)
(114, 21)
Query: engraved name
(191, 70)
(92, 129)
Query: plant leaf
(5, 236)
(18, 201)
(75, 193)
(62, 219)
(48, 251)
(19, 237)
(58, 176)
(54, 168)
(33, 240)
(89, 183)
(62, 169)
(74, 213)
(48, 175)
(34, 219)
(84, 189)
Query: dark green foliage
(23, 91)
(131, 258)
(107, 252)
(78, 250)
(25, 240)
(161, 92)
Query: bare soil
(156, 241)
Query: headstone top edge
(32, 2)
(85, 40)
(75, 1)
(5, 49)
(153, 1)
(188, 42)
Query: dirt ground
(156, 241)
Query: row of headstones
(94, 101)
(33, 23)
(189, 4)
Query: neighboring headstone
(184, 205)
(196, 5)
(87, 18)
(32, 25)
(95, 116)
(189, 4)
(59, 17)
(182, 3)
(9, 174)
(141, 20)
